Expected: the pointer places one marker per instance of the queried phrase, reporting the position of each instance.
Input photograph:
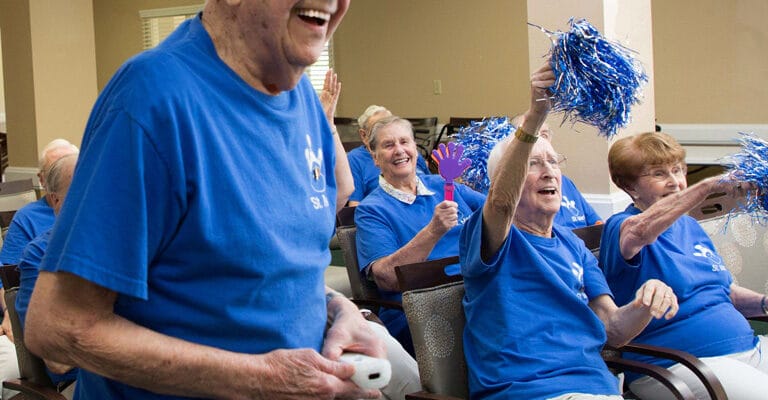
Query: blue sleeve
(611, 261)
(470, 250)
(29, 269)
(14, 242)
(375, 236)
(594, 280)
(110, 229)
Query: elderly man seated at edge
(575, 211)
(58, 178)
(655, 239)
(364, 171)
(36, 217)
(406, 218)
(537, 306)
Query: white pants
(405, 371)
(9, 365)
(744, 376)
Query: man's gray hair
(53, 145)
(54, 177)
(368, 113)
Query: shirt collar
(407, 198)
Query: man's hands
(305, 374)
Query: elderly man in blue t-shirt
(188, 260)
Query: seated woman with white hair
(406, 219)
(538, 309)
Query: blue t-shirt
(28, 223)
(29, 268)
(366, 174)
(575, 211)
(684, 258)
(385, 224)
(530, 333)
(205, 204)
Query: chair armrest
(32, 390)
(424, 274)
(429, 396)
(761, 318)
(376, 304)
(663, 375)
(705, 374)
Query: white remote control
(370, 372)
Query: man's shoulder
(34, 210)
(360, 154)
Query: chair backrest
(591, 236)
(16, 194)
(743, 245)
(347, 128)
(425, 132)
(31, 367)
(436, 319)
(715, 205)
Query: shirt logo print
(570, 205)
(316, 168)
(578, 272)
(712, 257)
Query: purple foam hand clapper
(450, 164)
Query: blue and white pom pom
(597, 81)
(478, 140)
(751, 165)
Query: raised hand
(329, 96)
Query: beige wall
(19, 83)
(2, 89)
(64, 68)
(118, 31)
(708, 63)
(711, 61)
(390, 52)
